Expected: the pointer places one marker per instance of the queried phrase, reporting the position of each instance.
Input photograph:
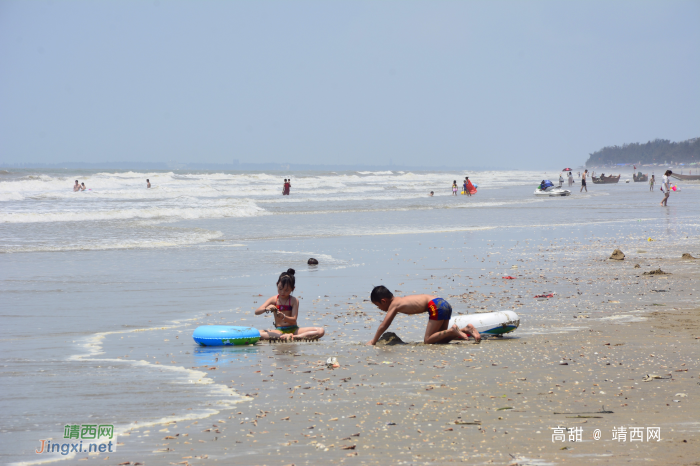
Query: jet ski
(547, 189)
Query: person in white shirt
(571, 179)
(561, 180)
(666, 187)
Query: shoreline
(410, 402)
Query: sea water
(101, 288)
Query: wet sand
(497, 402)
(493, 403)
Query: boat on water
(685, 177)
(605, 179)
(640, 177)
(547, 189)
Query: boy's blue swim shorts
(439, 309)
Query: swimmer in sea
(76, 186)
(82, 187)
(148, 183)
(439, 313)
(285, 308)
(431, 194)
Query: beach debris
(649, 239)
(504, 408)
(650, 377)
(312, 261)
(602, 411)
(637, 266)
(467, 423)
(617, 255)
(348, 447)
(656, 272)
(682, 395)
(508, 277)
(332, 363)
(688, 256)
(550, 295)
(390, 339)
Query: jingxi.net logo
(85, 438)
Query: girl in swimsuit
(285, 309)
(454, 188)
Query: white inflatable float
(489, 323)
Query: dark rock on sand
(656, 272)
(687, 256)
(390, 339)
(617, 255)
(637, 266)
(312, 261)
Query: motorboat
(605, 179)
(547, 189)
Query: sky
(512, 84)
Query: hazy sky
(513, 84)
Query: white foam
(196, 236)
(226, 398)
(228, 208)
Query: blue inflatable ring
(225, 335)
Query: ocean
(98, 285)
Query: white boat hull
(489, 323)
(552, 192)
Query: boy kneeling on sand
(439, 313)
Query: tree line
(656, 151)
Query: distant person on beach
(285, 309)
(466, 186)
(651, 183)
(666, 187)
(439, 313)
(571, 179)
(287, 185)
(76, 186)
(561, 180)
(83, 187)
(583, 181)
(454, 188)
(148, 183)
(431, 194)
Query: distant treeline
(656, 151)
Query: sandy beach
(493, 403)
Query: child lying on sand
(438, 309)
